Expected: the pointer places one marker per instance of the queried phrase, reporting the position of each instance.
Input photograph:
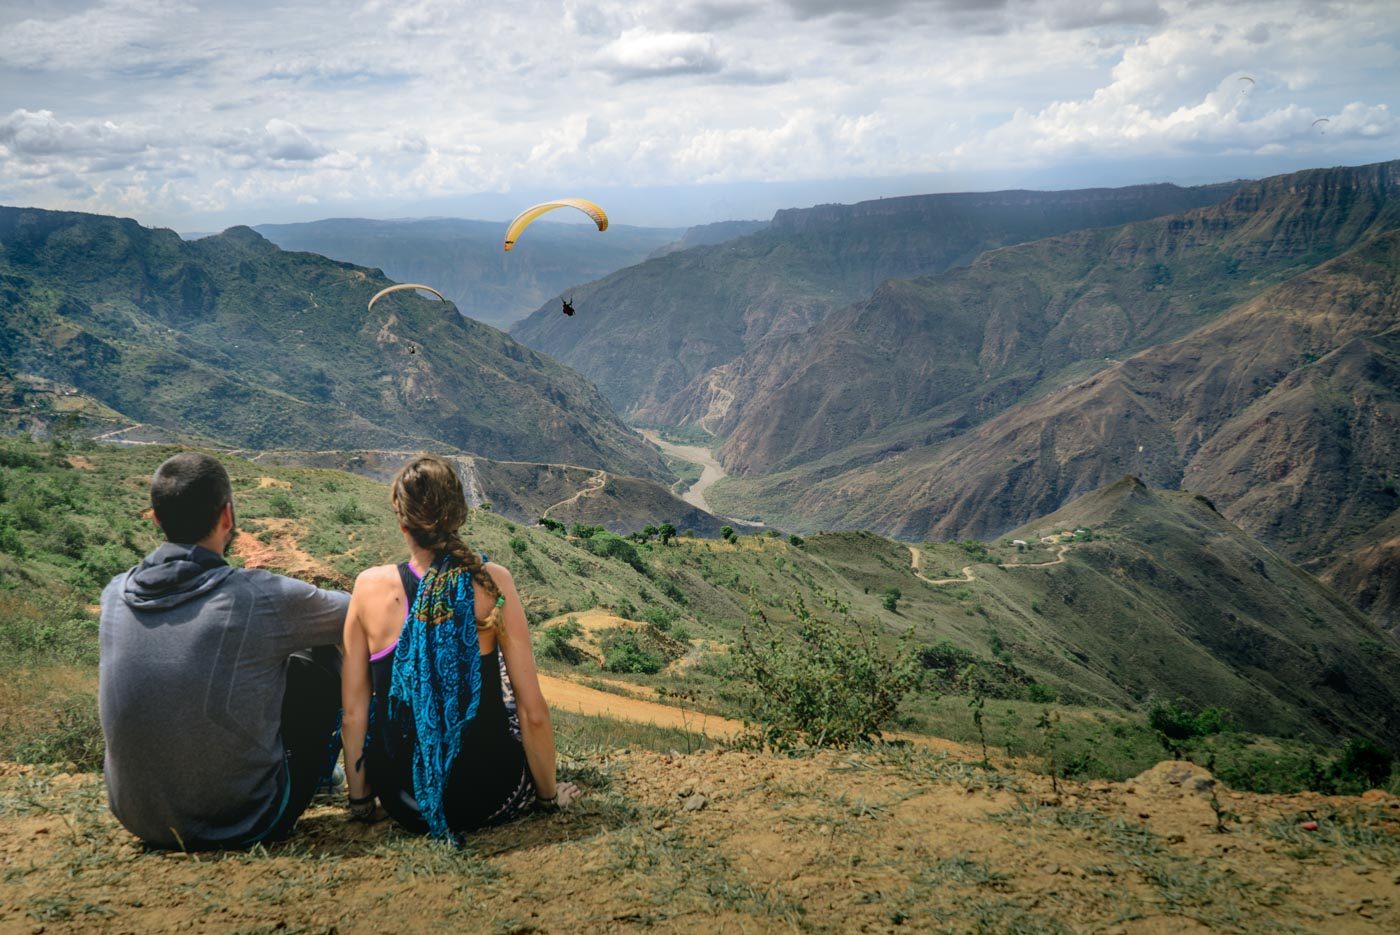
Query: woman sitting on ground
(433, 648)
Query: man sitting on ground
(219, 688)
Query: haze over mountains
(464, 261)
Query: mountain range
(1244, 349)
(643, 333)
(233, 340)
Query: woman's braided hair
(428, 498)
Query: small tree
(795, 541)
(890, 600)
(726, 533)
(650, 533)
(553, 525)
(666, 532)
(832, 686)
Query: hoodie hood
(172, 575)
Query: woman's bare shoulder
(377, 578)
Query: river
(710, 470)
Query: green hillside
(644, 333)
(464, 261)
(234, 340)
(1162, 599)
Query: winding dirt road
(916, 560)
(594, 484)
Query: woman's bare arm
(536, 732)
(355, 689)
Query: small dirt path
(567, 695)
(590, 486)
(916, 560)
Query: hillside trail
(594, 484)
(916, 560)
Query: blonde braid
(494, 620)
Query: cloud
(38, 134)
(640, 53)
(112, 34)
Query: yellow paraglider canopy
(526, 217)
(400, 287)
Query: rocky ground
(727, 840)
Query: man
(218, 713)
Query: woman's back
(489, 781)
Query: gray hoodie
(192, 672)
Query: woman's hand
(564, 794)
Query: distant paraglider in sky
(1246, 84)
(525, 218)
(401, 287)
(1320, 125)
(568, 308)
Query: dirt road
(580, 699)
(916, 560)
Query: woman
(428, 726)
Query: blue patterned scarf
(437, 675)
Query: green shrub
(831, 686)
(606, 545)
(553, 525)
(626, 609)
(554, 642)
(1177, 720)
(625, 651)
(659, 617)
(890, 599)
(1365, 763)
(518, 545)
(795, 541)
(585, 531)
(666, 532)
(1040, 694)
(726, 532)
(350, 513)
(281, 505)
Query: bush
(1040, 694)
(830, 687)
(281, 505)
(659, 617)
(1176, 720)
(726, 532)
(553, 525)
(607, 545)
(666, 532)
(349, 513)
(626, 609)
(518, 545)
(890, 599)
(1364, 763)
(795, 541)
(554, 642)
(625, 651)
(585, 531)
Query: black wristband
(364, 801)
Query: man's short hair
(187, 493)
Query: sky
(202, 114)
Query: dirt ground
(727, 840)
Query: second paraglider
(400, 287)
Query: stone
(695, 803)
